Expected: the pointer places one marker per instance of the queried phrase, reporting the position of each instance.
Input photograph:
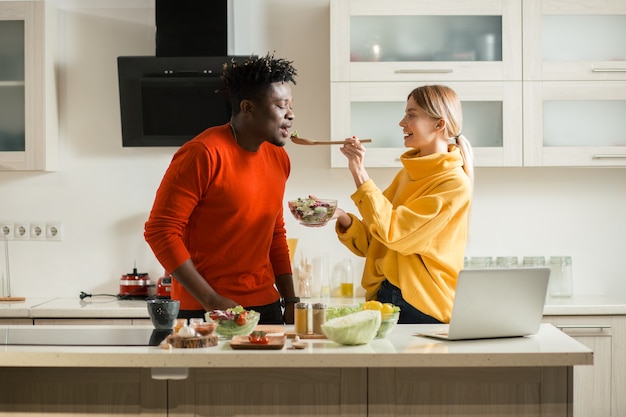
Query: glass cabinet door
(12, 104)
(28, 108)
(575, 123)
(407, 40)
(574, 40)
(374, 110)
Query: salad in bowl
(311, 211)
(235, 321)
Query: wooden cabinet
(513, 391)
(270, 392)
(28, 115)
(598, 389)
(10, 321)
(542, 82)
(65, 392)
(308, 391)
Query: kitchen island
(402, 374)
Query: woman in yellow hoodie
(413, 234)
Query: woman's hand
(342, 218)
(354, 151)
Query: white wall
(103, 192)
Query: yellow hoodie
(414, 233)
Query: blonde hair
(442, 102)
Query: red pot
(134, 285)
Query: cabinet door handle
(583, 326)
(608, 156)
(424, 71)
(608, 69)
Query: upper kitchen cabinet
(574, 40)
(424, 40)
(574, 123)
(28, 116)
(381, 50)
(574, 82)
(491, 119)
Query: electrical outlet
(54, 231)
(21, 231)
(38, 231)
(6, 230)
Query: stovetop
(82, 336)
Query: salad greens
(354, 329)
(235, 321)
(311, 211)
(334, 312)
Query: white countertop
(401, 348)
(20, 309)
(108, 307)
(584, 305)
(97, 307)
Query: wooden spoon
(303, 141)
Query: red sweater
(222, 206)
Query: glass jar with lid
(480, 262)
(301, 318)
(530, 261)
(319, 317)
(507, 262)
(560, 284)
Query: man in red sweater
(217, 220)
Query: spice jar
(319, 317)
(301, 318)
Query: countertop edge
(550, 347)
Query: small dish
(387, 325)
(229, 328)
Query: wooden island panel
(270, 392)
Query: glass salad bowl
(312, 212)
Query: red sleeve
(182, 186)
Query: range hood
(169, 98)
(191, 28)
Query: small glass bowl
(387, 325)
(312, 212)
(228, 328)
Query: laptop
(492, 303)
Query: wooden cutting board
(292, 335)
(192, 342)
(271, 329)
(242, 342)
